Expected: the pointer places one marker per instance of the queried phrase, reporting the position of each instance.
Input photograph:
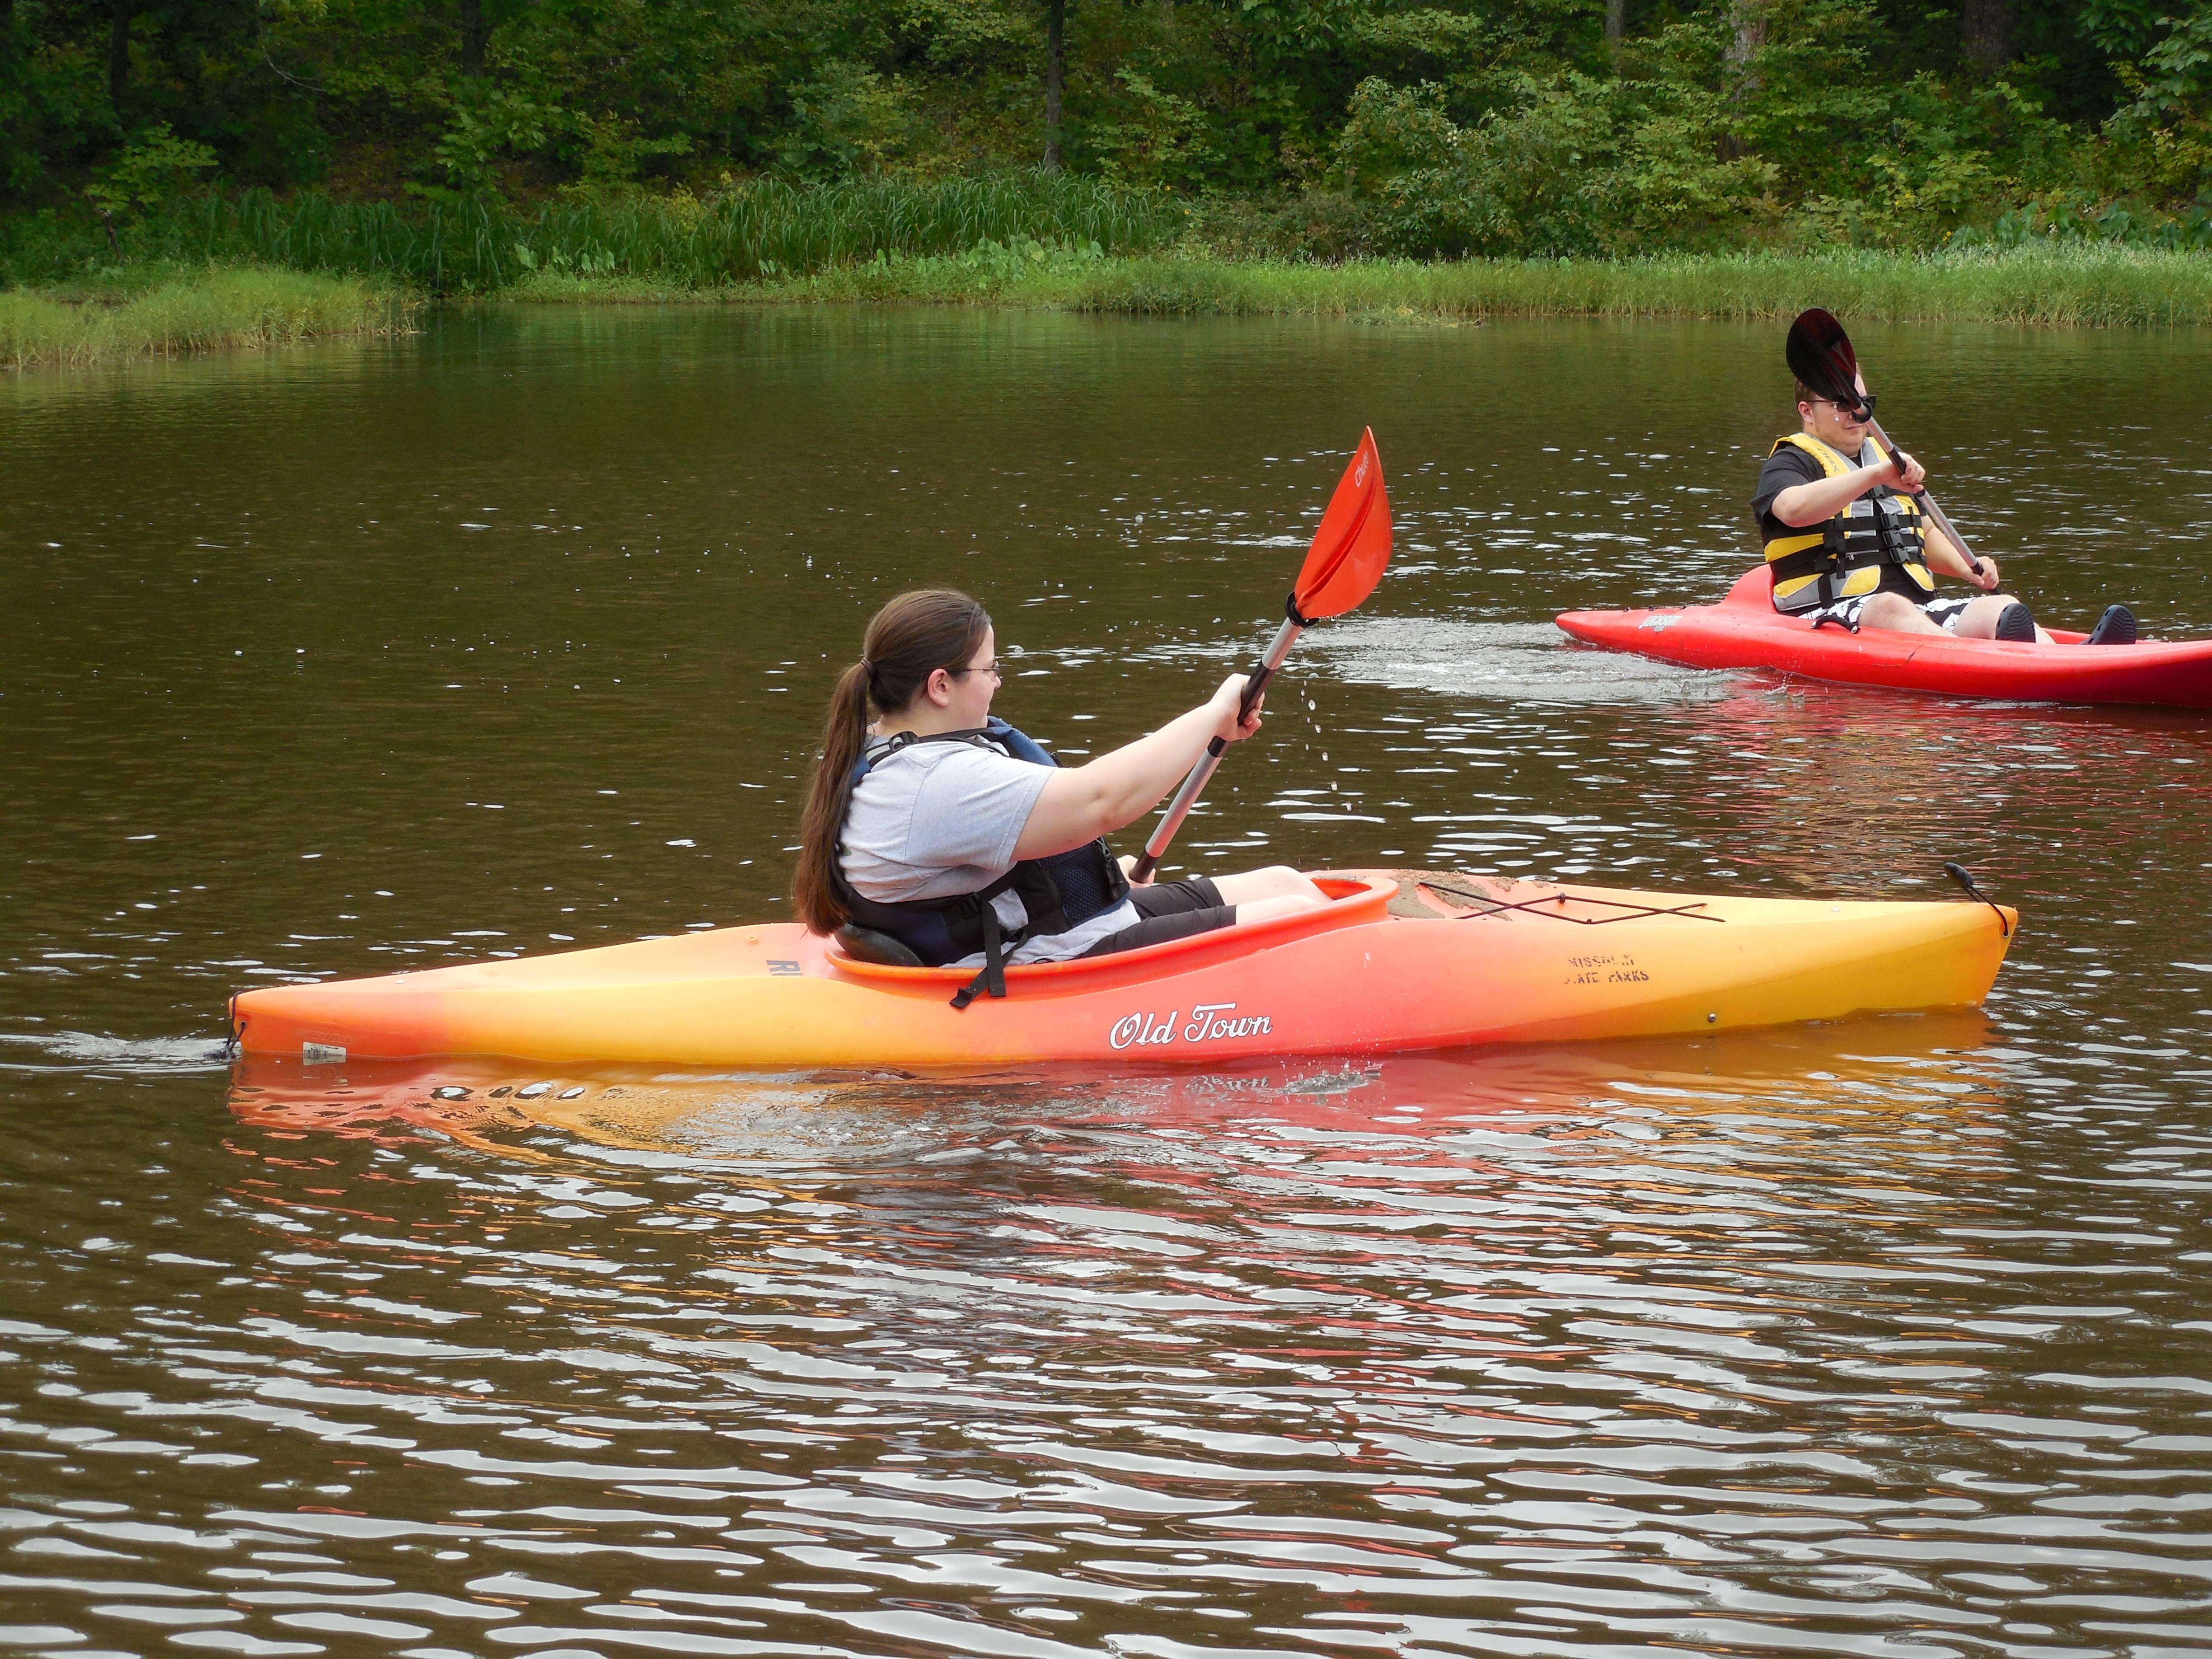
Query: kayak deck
(1399, 960)
(1744, 630)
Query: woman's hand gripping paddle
(1350, 551)
(1821, 355)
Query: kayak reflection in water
(1848, 545)
(940, 834)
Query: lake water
(1882, 1338)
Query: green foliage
(1325, 128)
(1158, 138)
(453, 244)
(1575, 164)
(154, 168)
(614, 151)
(2164, 135)
(485, 124)
(846, 119)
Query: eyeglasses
(1864, 411)
(990, 668)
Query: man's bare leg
(1897, 614)
(1979, 620)
(1894, 613)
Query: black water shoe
(2017, 623)
(2116, 627)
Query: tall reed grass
(2068, 283)
(202, 311)
(766, 229)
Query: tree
(1985, 34)
(118, 52)
(1055, 64)
(1747, 35)
(474, 34)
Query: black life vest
(1056, 893)
(1843, 557)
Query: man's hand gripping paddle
(1821, 355)
(1349, 552)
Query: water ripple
(1878, 1338)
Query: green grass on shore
(166, 310)
(176, 313)
(2092, 284)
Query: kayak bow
(1399, 960)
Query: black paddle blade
(1821, 355)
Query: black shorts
(1176, 910)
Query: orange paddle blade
(1353, 546)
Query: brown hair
(907, 642)
(1807, 395)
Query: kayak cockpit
(1353, 900)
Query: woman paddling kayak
(943, 836)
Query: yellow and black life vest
(1842, 558)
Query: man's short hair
(1807, 395)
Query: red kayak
(1744, 630)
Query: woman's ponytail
(844, 734)
(908, 640)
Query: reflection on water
(1752, 1344)
(1877, 1338)
(1531, 661)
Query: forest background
(464, 145)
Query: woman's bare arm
(1082, 803)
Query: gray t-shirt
(935, 820)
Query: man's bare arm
(1810, 502)
(1945, 560)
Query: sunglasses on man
(1855, 413)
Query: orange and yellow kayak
(1398, 960)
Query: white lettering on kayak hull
(1209, 1022)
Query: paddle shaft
(1202, 774)
(1936, 514)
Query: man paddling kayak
(1847, 545)
(943, 836)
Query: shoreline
(2065, 285)
(167, 313)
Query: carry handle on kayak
(1958, 872)
(1821, 355)
(1350, 552)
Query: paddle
(1821, 355)
(1349, 552)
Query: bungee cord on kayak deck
(1626, 911)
